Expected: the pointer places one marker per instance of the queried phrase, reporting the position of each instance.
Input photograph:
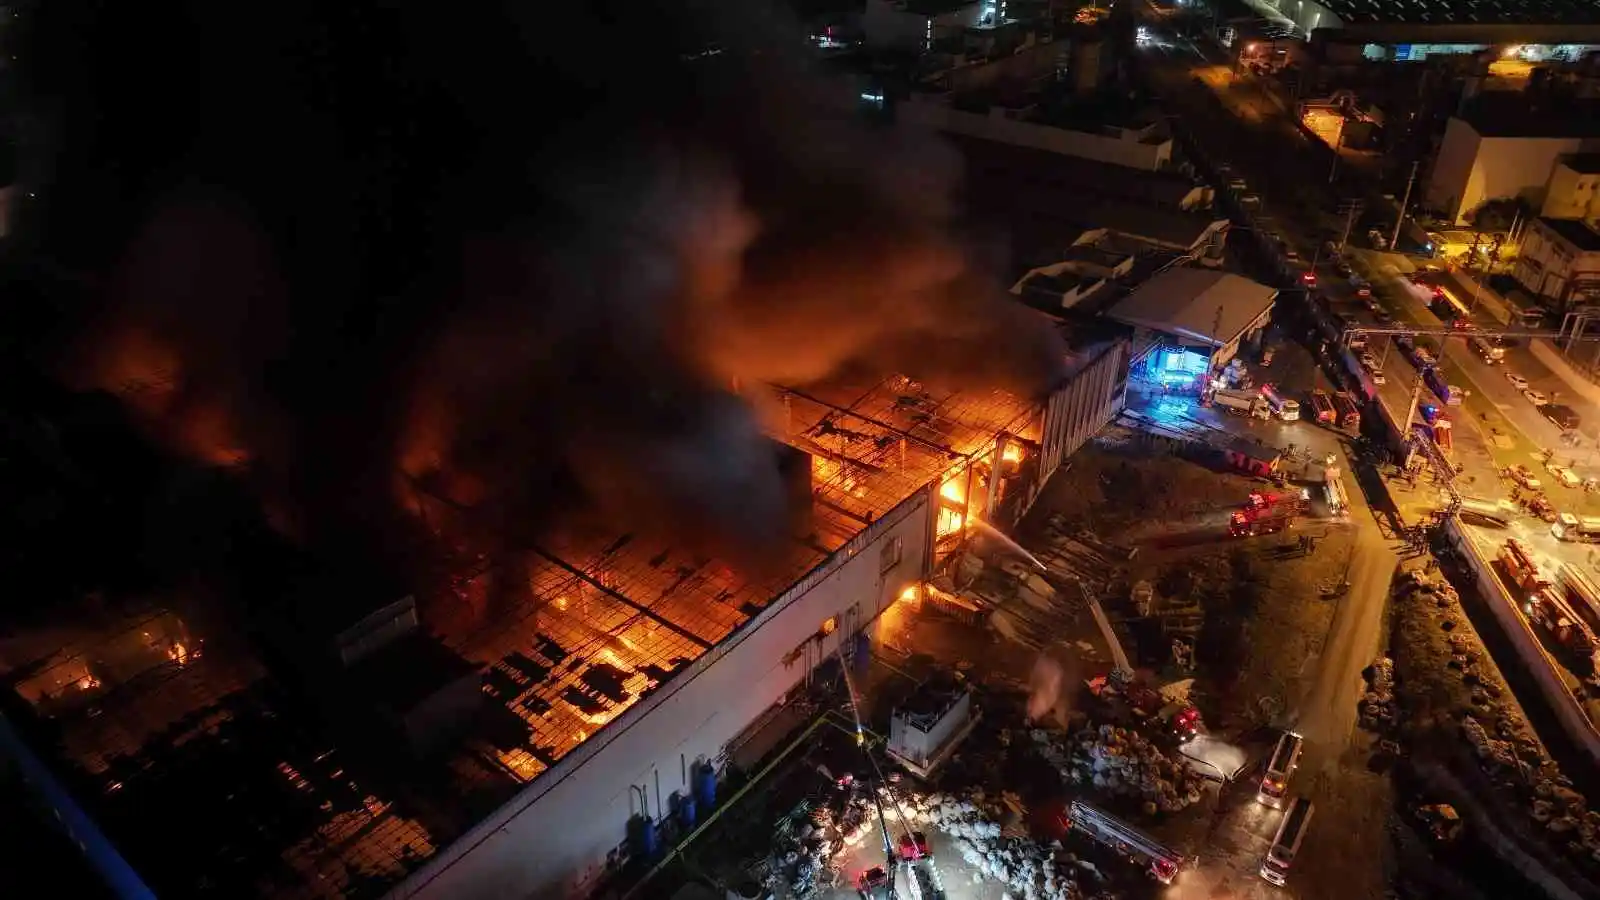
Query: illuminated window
(829, 626)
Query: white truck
(1242, 403)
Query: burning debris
(1123, 763)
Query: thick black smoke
(513, 255)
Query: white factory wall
(1080, 408)
(1471, 169)
(1135, 149)
(552, 840)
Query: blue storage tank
(642, 836)
(704, 782)
(688, 811)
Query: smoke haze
(509, 260)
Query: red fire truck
(1266, 513)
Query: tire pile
(1378, 706)
(1123, 763)
(1506, 750)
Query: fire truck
(1266, 513)
(1521, 571)
(1349, 411)
(1139, 704)
(1323, 404)
(1162, 862)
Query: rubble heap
(1123, 763)
(1028, 869)
(1501, 741)
(1378, 707)
(1517, 761)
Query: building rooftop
(1509, 114)
(1576, 232)
(1204, 305)
(1466, 12)
(1583, 163)
(995, 165)
(1095, 255)
(217, 779)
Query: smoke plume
(515, 260)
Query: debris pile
(1123, 763)
(1378, 706)
(1502, 744)
(1028, 869)
(811, 837)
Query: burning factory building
(571, 423)
(519, 750)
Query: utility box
(927, 727)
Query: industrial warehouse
(517, 754)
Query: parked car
(1369, 361)
(1343, 268)
(1377, 376)
(1537, 398)
(1424, 356)
(1517, 381)
(1561, 415)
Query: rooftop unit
(927, 727)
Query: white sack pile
(1123, 763)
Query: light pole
(1405, 203)
(1333, 170)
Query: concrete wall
(1307, 15)
(1471, 169)
(1538, 663)
(552, 839)
(1128, 150)
(1571, 194)
(1552, 268)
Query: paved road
(1327, 714)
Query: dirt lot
(1260, 605)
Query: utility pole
(1353, 209)
(1333, 170)
(1405, 203)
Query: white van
(1280, 767)
(1286, 844)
